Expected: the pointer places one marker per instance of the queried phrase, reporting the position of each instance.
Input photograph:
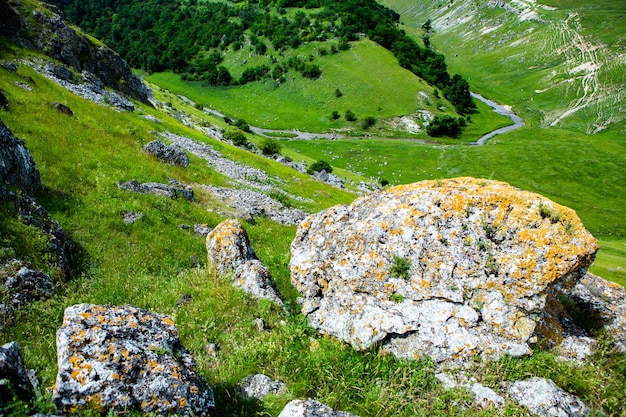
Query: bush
(335, 115)
(368, 122)
(350, 116)
(445, 125)
(236, 137)
(270, 146)
(318, 167)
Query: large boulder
(544, 398)
(125, 358)
(17, 167)
(451, 269)
(229, 252)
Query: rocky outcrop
(311, 408)
(171, 154)
(597, 298)
(4, 102)
(229, 252)
(16, 380)
(451, 269)
(544, 398)
(173, 190)
(17, 167)
(126, 358)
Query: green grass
(149, 264)
(610, 262)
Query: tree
(427, 26)
(270, 146)
(445, 125)
(458, 93)
(319, 166)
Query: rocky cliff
(46, 31)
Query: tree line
(190, 36)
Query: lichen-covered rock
(311, 408)
(451, 269)
(597, 297)
(17, 166)
(12, 370)
(544, 398)
(171, 154)
(125, 358)
(229, 251)
(258, 387)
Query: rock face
(172, 154)
(13, 370)
(311, 408)
(229, 251)
(599, 298)
(17, 167)
(451, 269)
(126, 358)
(543, 398)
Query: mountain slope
(561, 63)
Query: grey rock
(450, 269)
(9, 66)
(485, 397)
(606, 301)
(173, 190)
(131, 217)
(17, 166)
(201, 229)
(171, 154)
(229, 252)
(311, 408)
(152, 118)
(14, 375)
(544, 398)
(62, 108)
(576, 348)
(258, 387)
(23, 86)
(60, 71)
(24, 284)
(126, 358)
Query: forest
(191, 37)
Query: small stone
(62, 108)
(258, 387)
(311, 408)
(544, 398)
(212, 349)
(131, 217)
(201, 229)
(260, 324)
(485, 397)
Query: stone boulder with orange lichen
(451, 269)
(229, 252)
(126, 358)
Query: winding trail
(517, 121)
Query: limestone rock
(485, 397)
(258, 387)
(172, 154)
(172, 190)
(543, 398)
(311, 408)
(17, 166)
(201, 229)
(606, 300)
(126, 358)
(451, 269)
(229, 251)
(12, 370)
(62, 108)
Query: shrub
(318, 167)
(236, 137)
(338, 93)
(350, 116)
(270, 146)
(445, 125)
(400, 267)
(368, 122)
(335, 115)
